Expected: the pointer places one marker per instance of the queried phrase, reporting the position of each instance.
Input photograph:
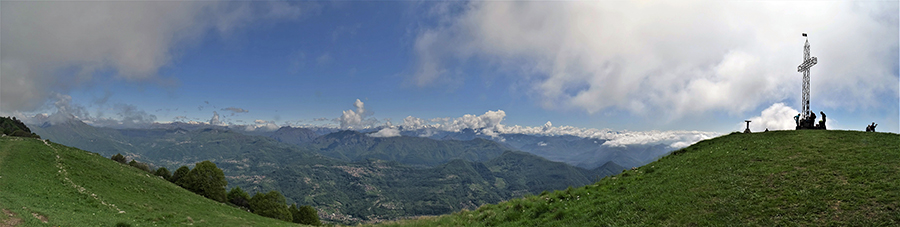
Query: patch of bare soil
(40, 217)
(11, 219)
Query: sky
(514, 66)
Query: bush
(21, 133)
(140, 166)
(305, 215)
(180, 172)
(118, 158)
(270, 205)
(239, 198)
(205, 179)
(164, 173)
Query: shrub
(270, 205)
(180, 172)
(118, 158)
(21, 133)
(140, 166)
(205, 179)
(164, 173)
(306, 215)
(239, 198)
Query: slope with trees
(79, 188)
(15, 127)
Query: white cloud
(412, 123)
(262, 125)
(386, 132)
(486, 124)
(358, 119)
(679, 57)
(490, 120)
(490, 124)
(776, 117)
(675, 139)
(53, 47)
(215, 119)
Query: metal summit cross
(808, 62)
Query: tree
(295, 213)
(119, 158)
(205, 179)
(180, 172)
(164, 173)
(270, 205)
(305, 215)
(239, 198)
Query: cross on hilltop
(807, 119)
(808, 62)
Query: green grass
(72, 187)
(779, 178)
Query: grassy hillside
(761, 179)
(47, 184)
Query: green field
(779, 178)
(47, 184)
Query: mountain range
(348, 176)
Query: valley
(348, 176)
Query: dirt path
(82, 190)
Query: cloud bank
(53, 47)
(681, 57)
(262, 125)
(124, 115)
(490, 124)
(386, 132)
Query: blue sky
(617, 65)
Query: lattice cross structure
(808, 62)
